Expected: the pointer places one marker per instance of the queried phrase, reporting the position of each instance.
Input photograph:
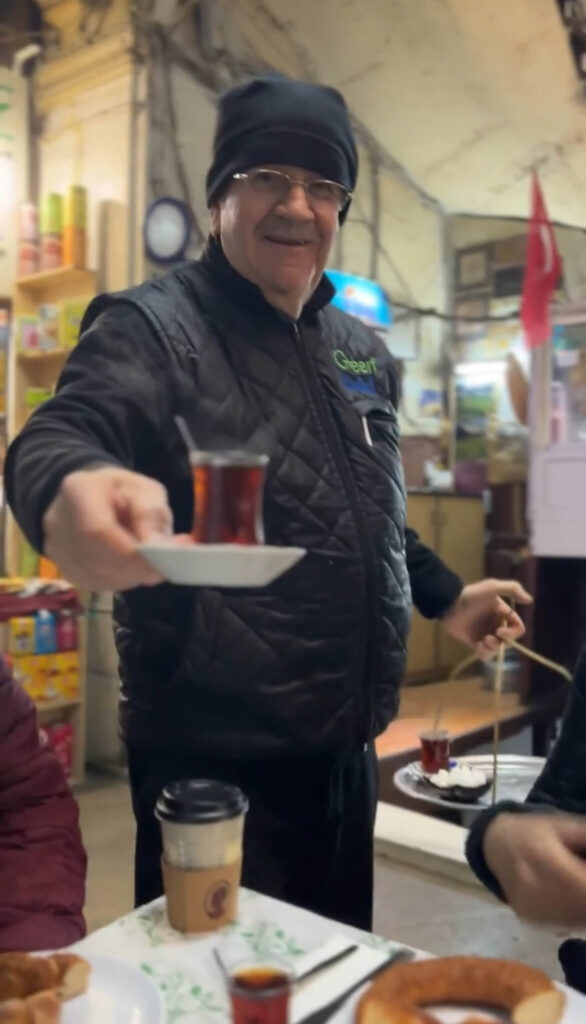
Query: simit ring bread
(526, 994)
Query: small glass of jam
(260, 994)
(435, 750)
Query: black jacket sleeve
(560, 787)
(435, 588)
(108, 409)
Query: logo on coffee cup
(216, 899)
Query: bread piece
(43, 1008)
(22, 975)
(381, 1012)
(14, 1011)
(74, 975)
(527, 994)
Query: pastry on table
(404, 993)
(32, 988)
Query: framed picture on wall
(509, 252)
(473, 268)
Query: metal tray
(516, 777)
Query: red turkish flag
(542, 271)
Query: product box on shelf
(70, 317)
(21, 636)
(27, 334)
(31, 671)
(63, 675)
(34, 397)
(45, 633)
(67, 638)
(60, 738)
(48, 326)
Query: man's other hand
(538, 860)
(482, 618)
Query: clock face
(167, 230)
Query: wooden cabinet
(452, 526)
(422, 517)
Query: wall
(183, 89)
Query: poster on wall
(475, 406)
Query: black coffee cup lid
(199, 801)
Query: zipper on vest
(368, 561)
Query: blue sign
(361, 298)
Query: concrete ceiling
(467, 95)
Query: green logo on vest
(359, 367)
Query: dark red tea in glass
(228, 492)
(435, 751)
(260, 995)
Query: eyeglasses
(276, 185)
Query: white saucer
(221, 565)
(118, 994)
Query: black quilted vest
(312, 663)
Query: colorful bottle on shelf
(28, 240)
(52, 231)
(47, 569)
(28, 560)
(66, 631)
(75, 227)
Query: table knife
(325, 1013)
(324, 964)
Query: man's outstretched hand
(95, 524)
(481, 617)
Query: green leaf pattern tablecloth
(183, 967)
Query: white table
(187, 975)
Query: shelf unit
(39, 369)
(42, 369)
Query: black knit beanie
(276, 120)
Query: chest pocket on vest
(378, 421)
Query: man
(42, 878)
(532, 855)
(280, 691)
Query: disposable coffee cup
(202, 825)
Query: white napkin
(332, 981)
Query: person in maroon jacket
(42, 859)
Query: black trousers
(308, 834)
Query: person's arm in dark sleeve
(43, 862)
(434, 587)
(560, 787)
(107, 411)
